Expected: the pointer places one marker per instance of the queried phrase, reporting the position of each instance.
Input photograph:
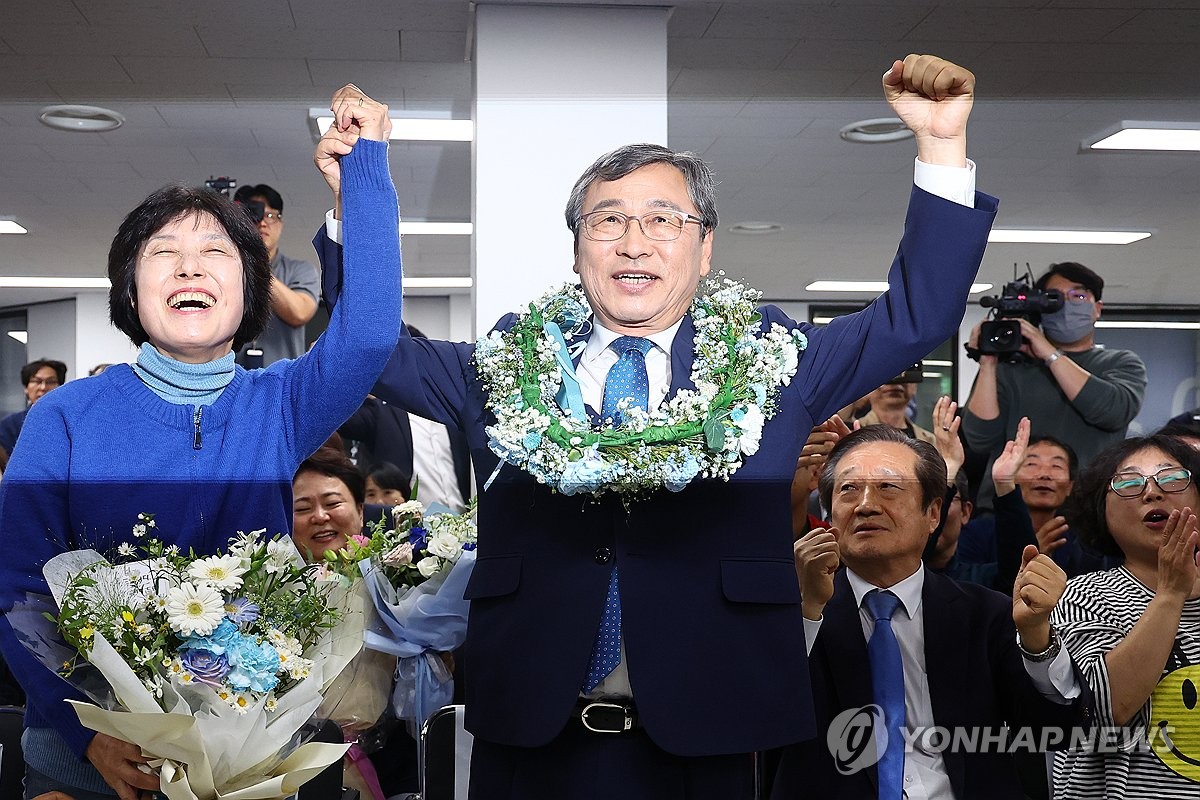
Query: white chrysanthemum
(413, 507)
(221, 572)
(193, 609)
(125, 549)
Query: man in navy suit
(968, 658)
(710, 668)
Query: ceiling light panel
(1066, 236)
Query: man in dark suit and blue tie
(896, 650)
(644, 648)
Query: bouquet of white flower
(216, 663)
(415, 572)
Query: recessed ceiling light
(39, 282)
(20, 336)
(1130, 135)
(84, 119)
(10, 226)
(436, 228)
(875, 131)
(1066, 237)
(753, 228)
(408, 128)
(874, 287)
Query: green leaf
(714, 434)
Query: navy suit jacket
(709, 597)
(976, 679)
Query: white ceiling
(760, 89)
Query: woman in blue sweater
(185, 434)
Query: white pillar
(555, 88)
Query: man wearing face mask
(1071, 388)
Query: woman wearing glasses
(1134, 631)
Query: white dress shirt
(925, 773)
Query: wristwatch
(1050, 359)
(1046, 655)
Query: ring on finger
(360, 102)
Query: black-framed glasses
(1168, 479)
(661, 226)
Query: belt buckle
(627, 717)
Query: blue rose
(418, 537)
(205, 665)
(253, 666)
(469, 545)
(224, 636)
(532, 440)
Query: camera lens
(1000, 337)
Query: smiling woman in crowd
(184, 434)
(1134, 630)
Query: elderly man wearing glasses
(294, 284)
(1082, 393)
(38, 377)
(635, 626)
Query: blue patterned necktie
(887, 684)
(626, 380)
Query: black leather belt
(602, 716)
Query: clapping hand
(817, 559)
(1004, 468)
(1177, 571)
(1052, 535)
(945, 431)
(1039, 586)
(355, 116)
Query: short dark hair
(334, 463)
(274, 199)
(1076, 273)
(388, 476)
(1085, 507)
(1072, 459)
(30, 369)
(931, 467)
(1187, 430)
(162, 208)
(702, 186)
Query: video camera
(253, 208)
(1000, 335)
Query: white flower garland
(540, 426)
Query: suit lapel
(844, 649)
(947, 615)
(682, 355)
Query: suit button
(603, 555)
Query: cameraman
(1069, 387)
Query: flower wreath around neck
(543, 428)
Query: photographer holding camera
(1069, 387)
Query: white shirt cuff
(1054, 679)
(956, 184)
(811, 628)
(333, 226)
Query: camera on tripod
(1000, 335)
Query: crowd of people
(642, 645)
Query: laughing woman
(184, 434)
(1134, 630)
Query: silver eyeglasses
(1168, 479)
(661, 226)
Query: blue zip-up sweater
(96, 453)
